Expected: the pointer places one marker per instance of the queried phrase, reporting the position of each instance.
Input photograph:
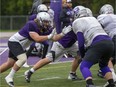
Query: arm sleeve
(81, 41)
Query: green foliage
(94, 5)
(15, 7)
(22, 7)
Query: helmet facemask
(106, 9)
(44, 19)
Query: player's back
(108, 21)
(90, 28)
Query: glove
(65, 30)
(52, 34)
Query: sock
(11, 74)
(113, 74)
(89, 81)
(111, 82)
(73, 72)
(112, 69)
(32, 70)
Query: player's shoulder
(51, 10)
(79, 20)
(32, 17)
(102, 16)
(31, 23)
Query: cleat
(107, 85)
(25, 65)
(73, 76)
(27, 75)
(9, 81)
(87, 85)
(100, 74)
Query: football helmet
(44, 19)
(89, 12)
(106, 9)
(79, 11)
(42, 8)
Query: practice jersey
(23, 36)
(108, 21)
(32, 17)
(68, 40)
(51, 13)
(90, 28)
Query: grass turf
(52, 75)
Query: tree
(22, 7)
(15, 7)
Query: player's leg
(111, 67)
(72, 74)
(91, 57)
(51, 56)
(8, 64)
(21, 60)
(37, 66)
(104, 61)
(17, 54)
(73, 50)
(45, 50)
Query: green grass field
(52, 75)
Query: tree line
(22, 7)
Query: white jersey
(51, 13)
(60, 51)
(90, 28)
(108, 21)
(25, 42)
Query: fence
(12, 22)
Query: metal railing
(12, 22)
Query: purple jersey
(32, 26)
(32, 17)
(68, 40)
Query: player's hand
(50, 36)
(65, 30)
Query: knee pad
(105, 70)
(22, 58)
(51, 55)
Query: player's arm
(65, 30)
(38, 38)
(81, 42)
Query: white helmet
(106, 9)
(44, 18)
(89, 12)
(42, 8)
(80, 11)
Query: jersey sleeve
(81, 42)
(102, 19)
